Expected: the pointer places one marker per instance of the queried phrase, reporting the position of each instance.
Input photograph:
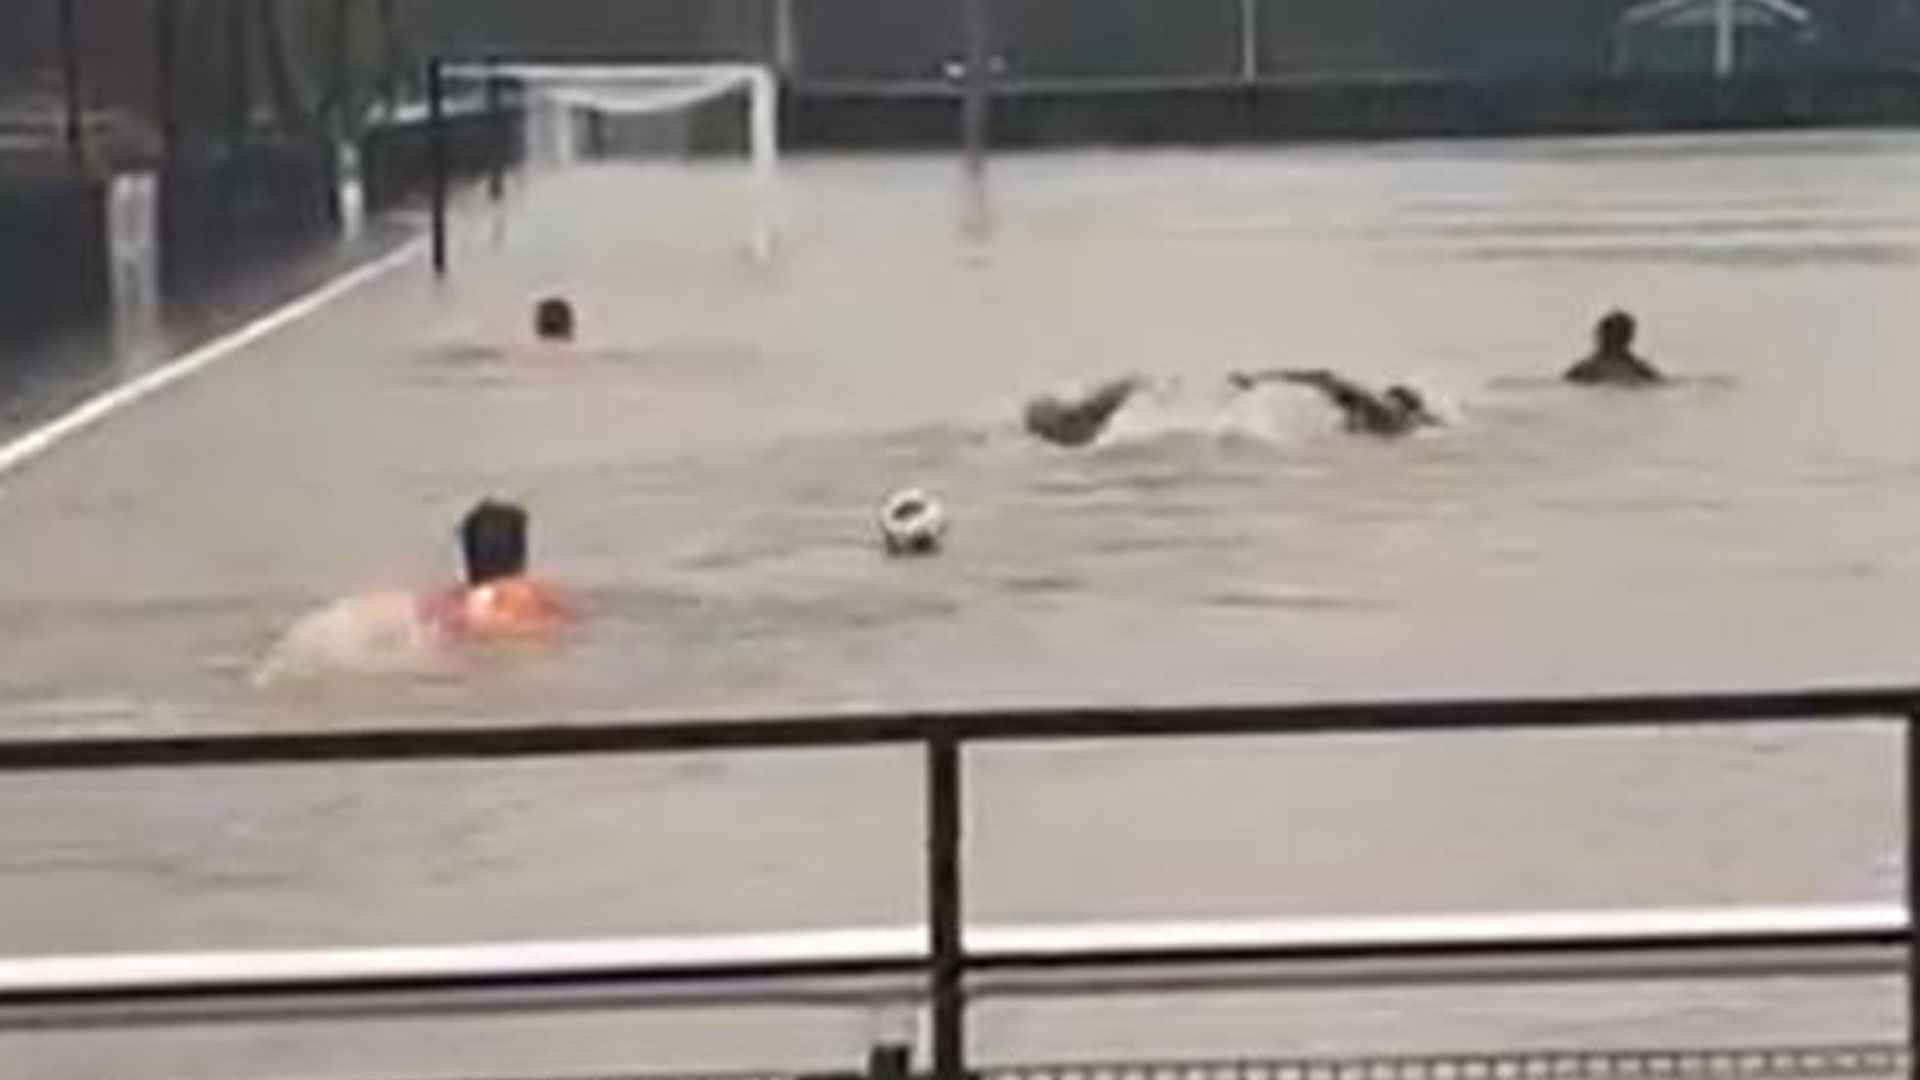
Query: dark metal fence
(952, 960)
(236, 106)
(1165, 40)
(1782, 1063)
(1837, 1062)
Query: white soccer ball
(913, 523)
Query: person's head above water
(1614, 332)
(493, 541)
(1078, 421)
(553, 320)
(1613, 361)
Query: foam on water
(372, 634)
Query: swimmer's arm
(1646, 372)
(1630, 370)
(1348, 396)
(1116, 391)
(1247, 380)
(1318, 378)
(1107, 399)
(1361, 406)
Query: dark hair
(493, 540)
(1615, 330)
(553, 319)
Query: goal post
(553, 94)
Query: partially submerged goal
(579, 112)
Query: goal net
(712, 129)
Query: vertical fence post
(74, 94)
(437, 160)
(496, 132)
(389, 16)
(785, 46)
(947, 948)
(166, 73)
(1249, 41)
(976, 108)
(1910, 785)
(340, 69)
(239, 73)
(1726, 39)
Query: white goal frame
(702, 82)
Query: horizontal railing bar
(56, 981)
(1775, 1062)
(1771, 1061)
(598, 738)
(1439, 937)
(905, 989)
(508, 67)
(1262, 973)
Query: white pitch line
(20, 451)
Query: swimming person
(402, 631)
(1397, 410)
(1613, 361)
(500, 598)
(553, 321)
(1074, 422)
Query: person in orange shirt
(403, 631)
(500, 599)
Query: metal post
(944, 911)
(75, 93)
(437, 160)
(785, 45)
(1726, 43)
(496, 133)
(596, 134)
(975, 71)
(240, 74)
(764, 138)
(1249, 40)
(976, 107)
(390, 58)
(340, 50)
(890, 1061)
(166, 73)
(1911, 785)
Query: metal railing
(946, 955)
